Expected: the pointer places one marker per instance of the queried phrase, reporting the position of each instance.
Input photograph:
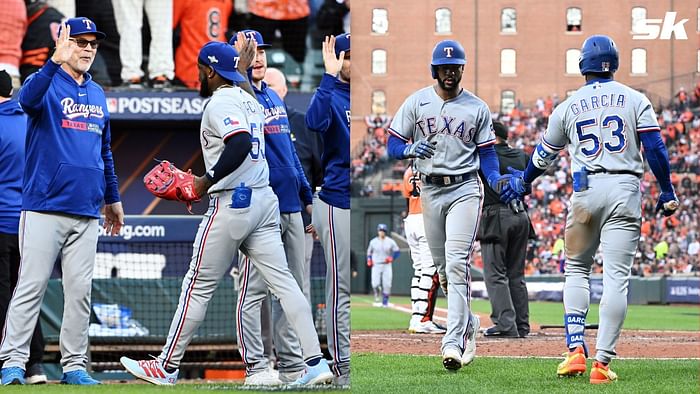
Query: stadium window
(508, 61)
(378, 61)
(508, 20)
(573, 19)
(639, 61)
(378, 102)
(507, 101)
(380, 21)
(638, 14)
(443, 21)
(572, 56)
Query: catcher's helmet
(447, 52)
(382, 227)
(598, 54)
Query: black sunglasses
(82, 43)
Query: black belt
(445, 180)
(627, 172)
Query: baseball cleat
(470, 348)
(12, 375)
(574, 364)
(79, 377)
(318, 374)
(35, 374)
(452, 359)
(426, 327)
(601, 373)
(149, 370)
(265, 378)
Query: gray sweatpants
(333, 227)
(42, 238)
(451, 215)
(254, 230)
(251, 293)
(608, 215)
(381, 277)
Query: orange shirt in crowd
(406, 188)
(13, 26)
(277, 10)
(200, 21)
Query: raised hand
(247, 49)
(331, 63)
(64, 46)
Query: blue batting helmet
(447, 52)
(598, 54)
(382, 227)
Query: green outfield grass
(639, 317)
(378, 373)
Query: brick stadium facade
(541, 40)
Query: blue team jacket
(69, 165)
(329, 114)
(13, 129)
(286, 174)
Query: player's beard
(204, 90)
(453, 87)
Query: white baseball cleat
(263, 378)
(451, 358)
(470, 348)
(426, 327)
(149, 370)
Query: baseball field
(659, 352)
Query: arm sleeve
(35, 87)
(657, 157)
(489, 163)
(318, 115)
(395, 147)
(236, 149)
(396, 254)
(305, 193)
(112, 185)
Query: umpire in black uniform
(504, 233)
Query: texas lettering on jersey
(447, 125)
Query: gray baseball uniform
(452, 193)
(600, 123)
(228, 225)
(378, 250)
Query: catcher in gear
(171, 183)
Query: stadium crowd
(153, 44)
(667, 246)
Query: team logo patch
(448, 51)
(605, 66)
(212, 59)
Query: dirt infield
(540, 343)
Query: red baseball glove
(171, 183)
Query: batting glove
(521, 174)
(421, 150)
(370, 263)
(389, 260)
(668, 203)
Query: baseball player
(12, 136)
(381, 252)
(243, 214)
(452, 139)
(289, 183)
(329, 115)
(603, 124)
(425, 283)
(69, 172)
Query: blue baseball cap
(83, 25)
(382, 227)
(222, 58)
(342, 43)
(250, 33)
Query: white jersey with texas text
(458, 126)
(229, 112)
